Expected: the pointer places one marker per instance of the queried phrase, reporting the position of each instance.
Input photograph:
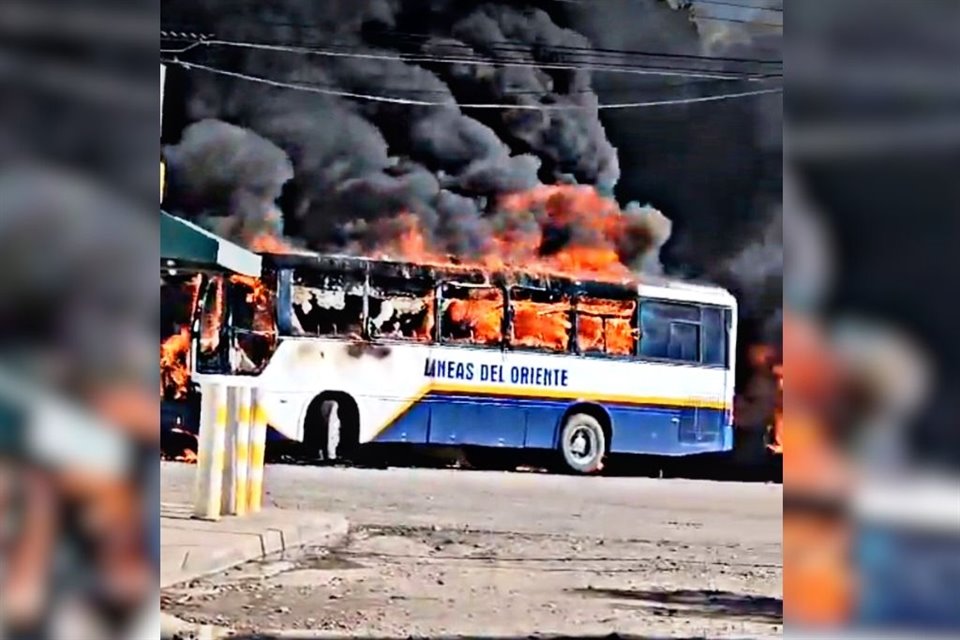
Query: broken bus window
(540, 319)
(401, 308)
(327, 305)
(471, 314)
(252, 323)
(606, 326)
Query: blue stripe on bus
(457, 419)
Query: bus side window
(401, 309)
(670, 331)
(471, 315)
(714, 337)
(684, 342)
(606, 326)
(327, 306)
(539, 320)
(654, 331)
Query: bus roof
(655, 287)
(645, 286)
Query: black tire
(583, 444)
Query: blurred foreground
(871, 470)
(78, 423)
(78, 258)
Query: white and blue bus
(351, 351)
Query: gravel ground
(447, 553)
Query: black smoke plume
(357, 161)
(713, 167)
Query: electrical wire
(511, 46)
(426, 103)
(629, 70)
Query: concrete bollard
(257, 449)
(211, 450)
(235, 483)
(242, 442)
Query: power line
(539, 92)
(190, 46)
(507, 46)
(519, 46)
(630, 70)
(425, 103)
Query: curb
(246, 539)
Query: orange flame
(605, 325)
(174, 370)
(267, 243)
(765, 361)
(776, 444)
(480, 315)
(261, 298)
(595, 224)
(519, 245)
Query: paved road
(484, 553)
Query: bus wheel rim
(581, 444)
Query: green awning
(184, 244)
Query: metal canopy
(184, 244)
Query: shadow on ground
(695, 603)
(724, 467)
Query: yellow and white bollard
(211, 452)
(236, 489)
(257, 453)
(244, 426)
(237, 463)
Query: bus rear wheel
(332, 430)
(583, 444)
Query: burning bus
(353, 351)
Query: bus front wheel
(583, 444)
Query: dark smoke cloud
(359, 162)
(574, 141)
(230, 176)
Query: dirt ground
(444, 553)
